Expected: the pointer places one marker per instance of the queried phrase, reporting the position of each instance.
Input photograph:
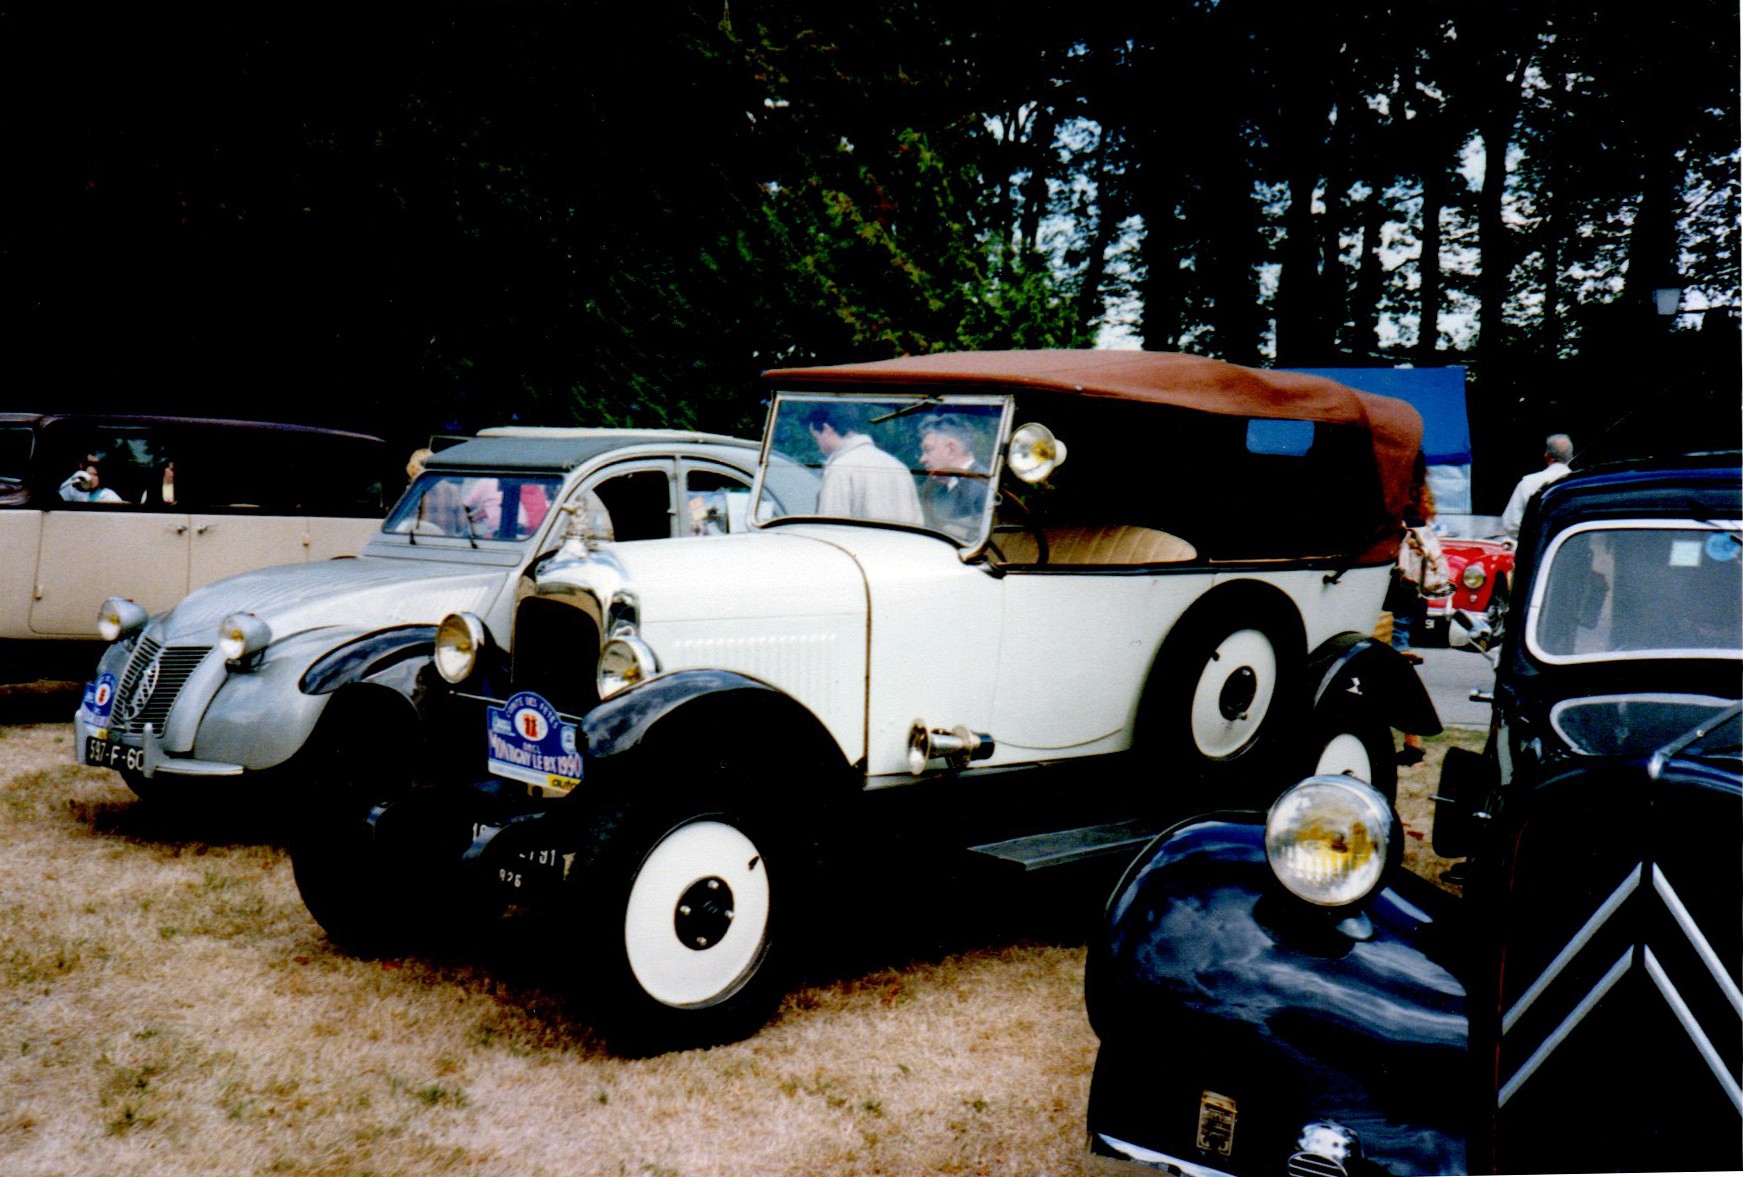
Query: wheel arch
(1353, 663)
(714, 716)
(1255, 603)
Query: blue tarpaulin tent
(1439, 395)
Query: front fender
(261, 717)
(1377, 672)
(739, 714)
(1210, 978)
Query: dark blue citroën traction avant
(1275, 995)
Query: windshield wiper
(925, 402)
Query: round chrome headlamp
(242, 634)
(1034, 453)
(120, 618)
(623, 662)
(460, 640)
(1474, 575)
(1328, 838)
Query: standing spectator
(954, 495)
(1558, 452)
(860, 481)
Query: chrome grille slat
(174, 665)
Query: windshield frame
(1546, 563)
(901, 403)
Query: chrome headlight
(120, 618)
(242, 634)
(1328, 838)
(623, 662)
(1474, 576)
(460, 639)
(1034, 453)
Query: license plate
(109, 754)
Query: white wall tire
(1345, 755)
(1237, 685)
(1349, 740)
(696, 922)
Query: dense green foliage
(443, 216)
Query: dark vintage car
(1275, 994)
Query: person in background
(415, 464)
(860, 481)
(85, 485)
(954, 494)
(1422, 573)
(1558, 452)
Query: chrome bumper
(155, 761)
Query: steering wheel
(1024, 522)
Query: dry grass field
(168, 1007)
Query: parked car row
(998, 612)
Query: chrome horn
(958, 745)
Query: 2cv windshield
(1646, 589)
(474, 507)
(919, 461)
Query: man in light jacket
(1558, 451)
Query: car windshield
(1640, 589)
(926, 462)
(490, 507)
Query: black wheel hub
(1238, 693)
(704, 913)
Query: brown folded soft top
(1151, 377)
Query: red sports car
(1482, 573)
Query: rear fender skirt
(1377, 672)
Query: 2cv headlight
(460, 639)
(1328, 839)
(120, 618)
(242, 634)
(1474, 576)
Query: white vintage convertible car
(1032, 604)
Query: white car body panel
(1050, 664)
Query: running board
(1062, 847)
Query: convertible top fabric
(1151, 377)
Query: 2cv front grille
(149, 686)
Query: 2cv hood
(362, 593)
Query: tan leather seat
(1107, 544)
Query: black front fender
(695, 710)
(1210, 978)
(1379, 674)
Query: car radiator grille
(151, 682)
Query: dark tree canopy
(443, 216)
